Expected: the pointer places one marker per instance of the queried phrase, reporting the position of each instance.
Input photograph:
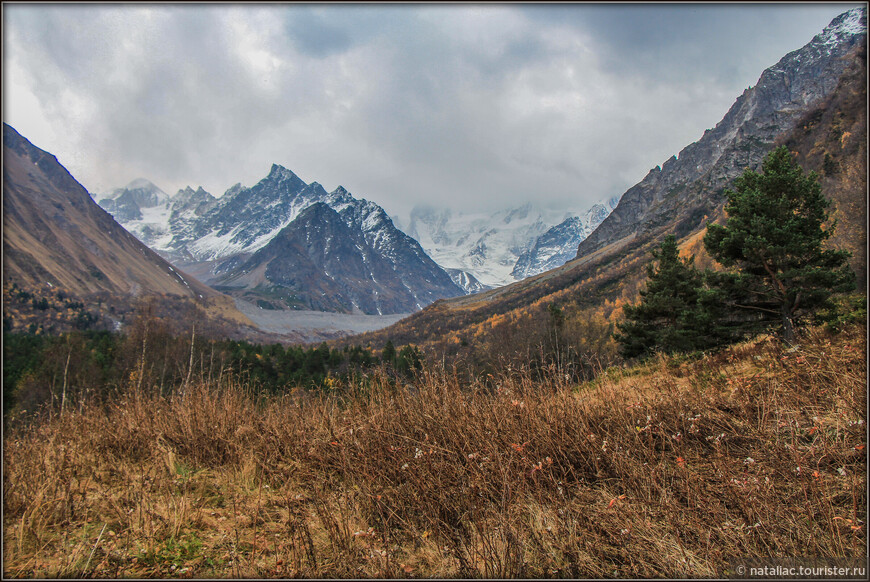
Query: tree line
(56, 372)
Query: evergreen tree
(676, 313)
(409, 358)
(774, 239)
(388, 355)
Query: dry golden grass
(666, 469)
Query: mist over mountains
(505, 245)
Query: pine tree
(676, 313)
(773, 239)
(388, 354)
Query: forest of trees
(64, 370)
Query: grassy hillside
(662, 470)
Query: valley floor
(315, 326)
(674, 468)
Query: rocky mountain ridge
(54, 233)
(676, 191)
(218, 239)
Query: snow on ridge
(849, 23)
(483, 244)
(852, 23)
(214, 246)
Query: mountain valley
(282, 381)
(284, 244)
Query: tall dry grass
(666, 469)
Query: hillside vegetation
(669, 468)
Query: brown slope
(599, 282)
(832, 141)
(55, 236)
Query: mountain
(186, 208)
(814, 101)
(219, 240)
(53, 232)
(466, 281)
(141, 206)
(482, 248)
(687, 189)
(129, 201)
(322, 263)
(559, 244)
(57, 239)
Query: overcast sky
(465, 106)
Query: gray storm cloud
(467, 106)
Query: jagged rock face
(189, 202)
(217, 239)
(558, 245)
(319, 262)
(685, 190)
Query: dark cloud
(709, 40)
(466, 105)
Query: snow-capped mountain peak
(485, 247)
(850, 23)
(223, 238)
(558, 245)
